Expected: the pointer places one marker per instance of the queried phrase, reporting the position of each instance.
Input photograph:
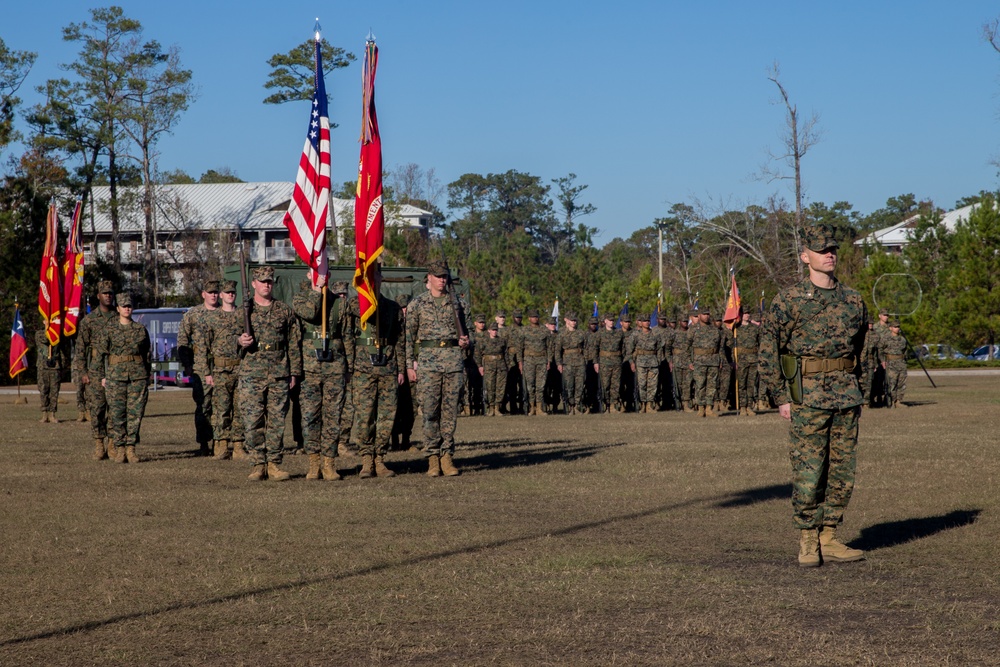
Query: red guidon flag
(732, 315)
(369, 220)
(49, 303)
(72, 270)
(307, 212)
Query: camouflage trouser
(513, 396)
(347, 414)
(202, 395)
(264, 405)
(48, 388)
(375, 411)
(227, 423)
(646, 378)
(535, 373)
(747, 381)
(494, 382)
(126, 405)
(685, 379)
(574, 378)
(81, 393)
(321, 397)
(822, 452)
(705, 380)
(611, 380)
(97, 404)
(439, 393)
(895, 379)
(725, 380)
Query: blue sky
(649, 103)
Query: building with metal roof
(895, 237)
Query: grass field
(656, 539)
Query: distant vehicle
(982, 353)
(938, 351)
(162, 325)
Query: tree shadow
(530, 457)
(894, 533)
(761, 494)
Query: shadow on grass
(894, 533)
(158, 415)
(531, 457)
(761, 494)
(483, 547)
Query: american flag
(307, 213)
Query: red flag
(49, 303)
(72, 270)
(18, 346)
(307, 213)
(732, 315)
(369, 219)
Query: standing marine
(220, 357)
(87, 363)
(126, 354)
(704, 341)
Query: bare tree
(799, 137)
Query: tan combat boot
(259, 473)
(433, 466)
(120, 453)
(328, 469)
(81, 415)
(448, 466)
(99, 452)
(276, 473)
(314, 464)
(53, 420)
(809, 548)
(130, 454)
(380, 468)
(835, 551)
(750, 412)
(112, 450)
(44, 419)
(687, 406)
(701, 410)
(221, 450)
(344, 450)
(709, 412)
(239, 454)
(367, 466)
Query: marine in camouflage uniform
(664, 384)
(491, 359)
(51, 360)
(473, 380)
(220, 357)
(321, 393)
(892, 350)
(682, 363)
(431, 328)
(81, 396)
(406, 408)
(87, 364)
(514, 394)
(591, 383)
(610, 353)
(272, 364)
(376, 386)
(877, 393)
(725, 366)
(570, 357)
(125, 352)
(703, 344)
(820, 323)
(747, 339)
(535, 355)
(643, 353)
(191, 337)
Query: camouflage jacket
(590, 346)
(221, 351)
(571, 348)
(308, 307)
(495, 348)
(90, 331)
(679, 350)
(125, 351)
(643, 349)
(806, 321)
(666, 335)
(535, 342)
(391, 338)
(277, 348)
(49, 357)
(610, 345)
(512, 334)
(747, 344)
(704, 342)
(432, 334)
(191, 337)
(892, 344)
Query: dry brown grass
(616, 540)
